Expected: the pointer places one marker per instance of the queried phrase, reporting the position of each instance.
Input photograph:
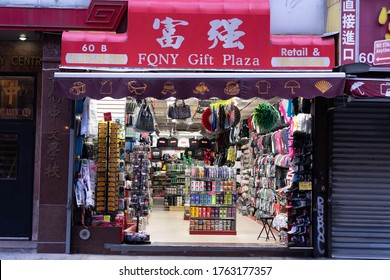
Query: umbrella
(357, 85)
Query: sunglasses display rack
(107, 192)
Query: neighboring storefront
(359, 192)
(20, 74)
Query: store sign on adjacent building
(219, 35)
(362, 23)
(17, 98)
(381, 52)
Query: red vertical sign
(348, 32)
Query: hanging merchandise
(131, 104)
(145, 121)
(237, 117)
(208, 157)
(204, 143)
(207, 120)
(183, 142)
(138, 200)
(156, 153)
(221, 115)
(162, 142)
(265, 116)
(198, 154)
(231, 156)
(193, 143)
(244, 132)
(179, 111)
(89, 118)
(172, 142)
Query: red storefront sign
(189, 34)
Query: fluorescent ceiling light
(22, 37)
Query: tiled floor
(170, 227)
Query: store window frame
(32, 106)
(3, 159)
(15, 76)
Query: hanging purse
(177, 111)
(145, 121)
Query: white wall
(298, 17)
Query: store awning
(368, 87)
(163, 85)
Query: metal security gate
(360, 179)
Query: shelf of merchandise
(175, 187)
(213, 206)
(159, 182)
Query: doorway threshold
(209, 249)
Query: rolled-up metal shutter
(360, 179)
(115, 106)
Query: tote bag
(145, 121)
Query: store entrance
(16, 179)
(184, 183)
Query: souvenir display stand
(212, 201)
(137, 189)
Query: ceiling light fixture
(22, 37)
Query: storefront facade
(20, 81)
(306, 61)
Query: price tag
(305, 186)
(107, 117)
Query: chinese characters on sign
(17, 98)
(225, 31)
(221, 30)
(348, 31)
(53, 148)
(169, 39)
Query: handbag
(145, 121)
(177, 111)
